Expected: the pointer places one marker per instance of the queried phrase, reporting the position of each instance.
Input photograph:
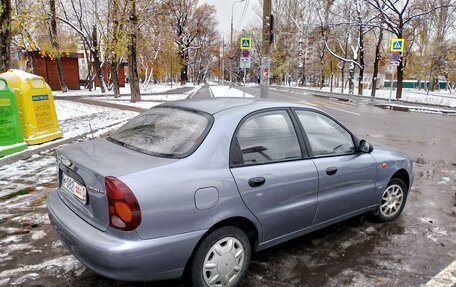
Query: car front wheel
(222, 259)
(393, 201)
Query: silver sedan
(192, 188)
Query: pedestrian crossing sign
(246, 43)
(397, 45)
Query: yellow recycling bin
(36, 106)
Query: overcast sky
(224, 13)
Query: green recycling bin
(11, 138)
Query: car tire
(222, 259)
(392, 201)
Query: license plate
(73, 187)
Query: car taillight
(124, 211)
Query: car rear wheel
(222, 259)
(393, 201)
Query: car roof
(215, 105)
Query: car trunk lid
(82, 169)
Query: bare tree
(86, 25)
(132, 54)
(398, 16)
(376, 61)
(5, 34)
(113, 43)
(55, 45)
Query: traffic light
(269, 29)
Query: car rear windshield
(164, 132)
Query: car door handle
(331, 170)
(257, 181)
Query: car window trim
(203, 136)
(306, 139)
(233, 149)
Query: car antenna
(91, 131)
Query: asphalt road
(358, 252)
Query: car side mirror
(366, 147)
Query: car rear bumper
(121, 255)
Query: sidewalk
(378, 102)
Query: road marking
(212, 94)
(337, 109)
(345, 111)
(447, 277)
(308, 103)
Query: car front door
(277, 182)
(346, 176)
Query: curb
(347, 97)
(416, 108)
(52, 145)
(195, 91)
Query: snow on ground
(35, 171)
(74, 119)
(146, 101)
(422, 109)
(159, 88)
(408, 95)
(157, 98)
(227, 91)
(78, 118)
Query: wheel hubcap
(223, 262)
(392, 200)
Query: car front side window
(267, 137)
(326, 137)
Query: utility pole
(231, 40)
(267, 40)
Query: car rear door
(277, 182)
(346, 176)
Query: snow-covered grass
(142, 104)
(146, 101)
(151, 88)
(408, 95)
(78, 118)
(227, 91)
(158, 98)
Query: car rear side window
(267, 137)
(165, 132)
(326, 137)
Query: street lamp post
(231, 38)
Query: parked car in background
(194, 187)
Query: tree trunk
(96, 60)
(303, 77)
(400, 68)
(351, 79)
(322, 67)
(400, 75)
(361, 61)
(89, 67)
(5, 35)
(56, 47)
(332, 77)
(184, 61)
(112, 50)
(343, 65)
(132, 58)
(114, 68)
(376, 63)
